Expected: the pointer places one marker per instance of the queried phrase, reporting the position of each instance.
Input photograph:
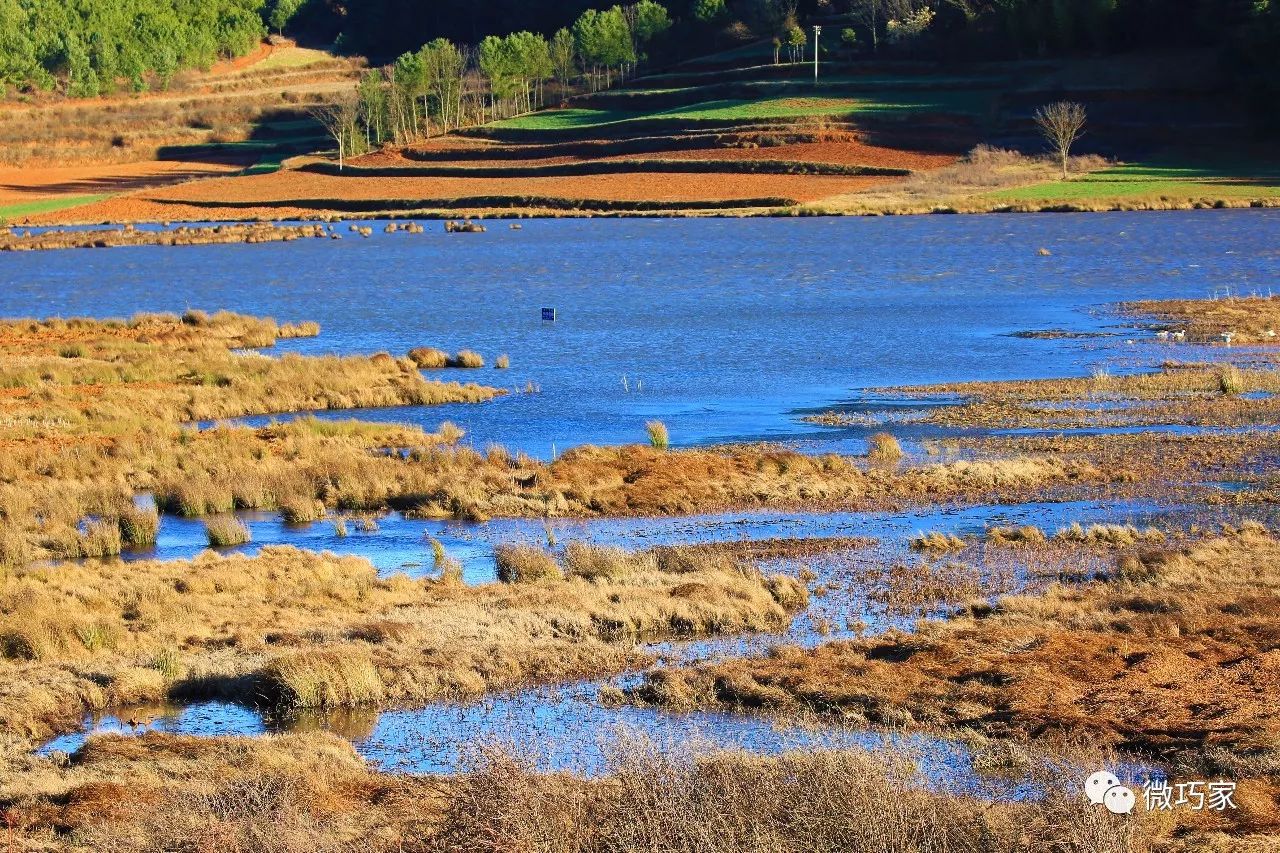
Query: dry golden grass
(1173, 655)
(1249, 320)
(301, 629)
(82, 434)
(92, 411)
(1192, 395)
(305, 793)
(961, 185)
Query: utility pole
(817, 31)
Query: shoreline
(805, 210)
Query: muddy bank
(15, 240)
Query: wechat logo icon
(1104, 789)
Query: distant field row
(892, 102)
(1227, 180)
(46, 205)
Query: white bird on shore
(1271, 333)
(1227, 337)
(1180, 335)
(1164, 336)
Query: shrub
(883, 447)
(502, 362)
(325, 678)
(139, 527)
(468, 359)
(429, 357)
(658, 436)
(225, 531)
(525, 564)
(72, 351)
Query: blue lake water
(726, 330)
(722, 328)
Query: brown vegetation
(1184, 394)
(94, 410)
(291, 193)
(122, 136)
(1174, 654)
(78, 445)
(1249, 320)
(310, 793)
(20, 241)
(296, 629)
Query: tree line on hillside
(444, 86)
(90, 47)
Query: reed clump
(520, 564)
(305, 329)
(301, 510)
(469, 359)
(593, 562)
(429, 357)
(322, 678)
(937, 541)
(883, 447)
(139, 527)
(1109, 534)
(1027, 534)
(659, 439)
(226, 531)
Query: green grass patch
(1229, 179)
(268, 163)
(762, 109)
(47, 205)
(291, 57)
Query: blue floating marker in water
(549, 315)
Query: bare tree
(339, 120)
(1061, 124)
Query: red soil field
(28, 183)
(845, 152)
(274, 192)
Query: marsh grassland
(1036, 651)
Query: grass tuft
(301, 510)
(343, 677)
(658, 436)
(525, 564)
(226, 531)
(429, 357)
(883, 447)
(139, 527)
(597, 562)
